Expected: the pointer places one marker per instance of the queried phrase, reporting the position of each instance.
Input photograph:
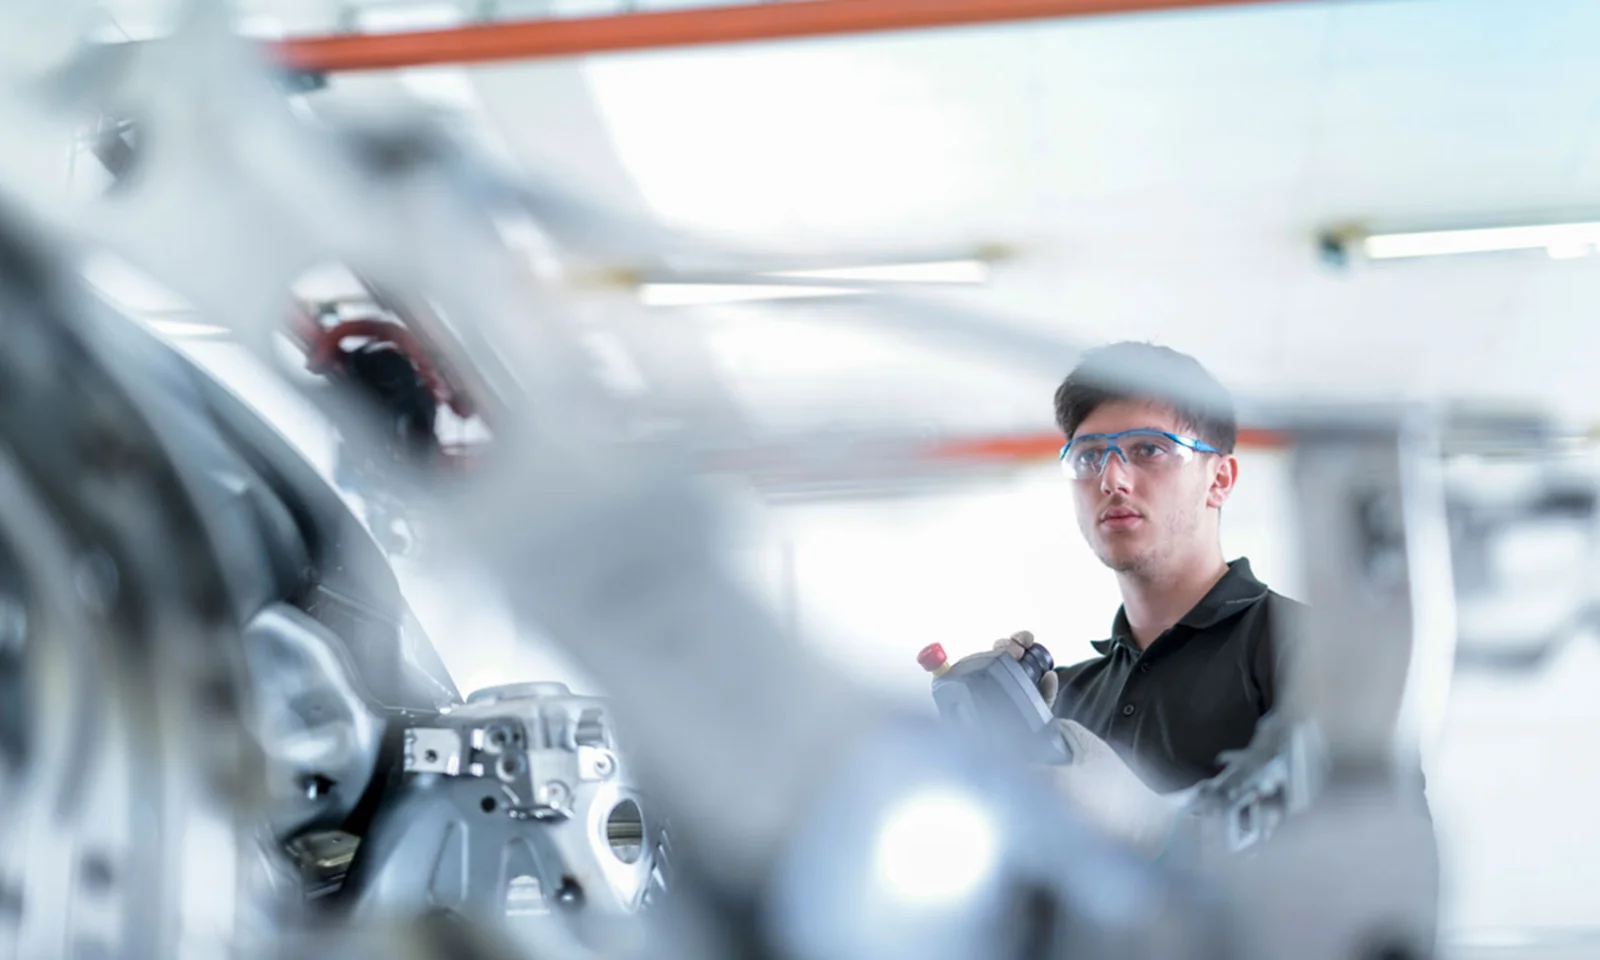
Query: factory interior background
(1164, 177)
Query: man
(1191, 665)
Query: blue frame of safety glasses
(1198, 446)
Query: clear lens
(1151, 448)
(1085, 461)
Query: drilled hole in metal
(625, 831)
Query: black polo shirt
(1197, 691)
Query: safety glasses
(1152, 450)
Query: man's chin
(1120, 561)
(1122, 557)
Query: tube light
(1561, 241)
(940, 271)
(185, 329)
(677, 294)
(689, 294)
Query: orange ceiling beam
(577, 36)
(1040, 446)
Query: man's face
(1141, 520)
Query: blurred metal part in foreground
(801, 808)
(127, 771)
(320, 736)
(1373, 666)
(1525, 541)
(923, 849)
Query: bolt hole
(432, 756)
(316, 786)
(489, 804)
(570, 893)
(625, 831)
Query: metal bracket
(433, 750)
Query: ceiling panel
(1163, 176)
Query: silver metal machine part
(1335, 778)
(514, 807)
(319, 733)
(433, 750)
(129, 777)
(931, 847)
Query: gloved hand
(1016, 644)
(1110, 795)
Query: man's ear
(1224, 474)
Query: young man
(1191, 664)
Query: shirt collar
(1234, 593)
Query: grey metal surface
(319, 734)
(1379, 640)
(1319, 825)
(517, 809)
(132, 774)
(920, 850)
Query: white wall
(1512, 787)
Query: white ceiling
(1164, 176)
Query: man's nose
(1115, 477)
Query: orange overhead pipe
(1040, 446)
(576, 36)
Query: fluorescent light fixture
(1562, 241)
(940, 271)
(671, 294)
(184, 329)
(691, 294)
(1569, 251)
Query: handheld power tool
(997, 697)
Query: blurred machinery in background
(305, 719)
(222, 733)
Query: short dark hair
(1152, 373)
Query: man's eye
(1149, 450)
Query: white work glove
(1015, 645)
(1110, 795)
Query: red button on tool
(932, 657)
